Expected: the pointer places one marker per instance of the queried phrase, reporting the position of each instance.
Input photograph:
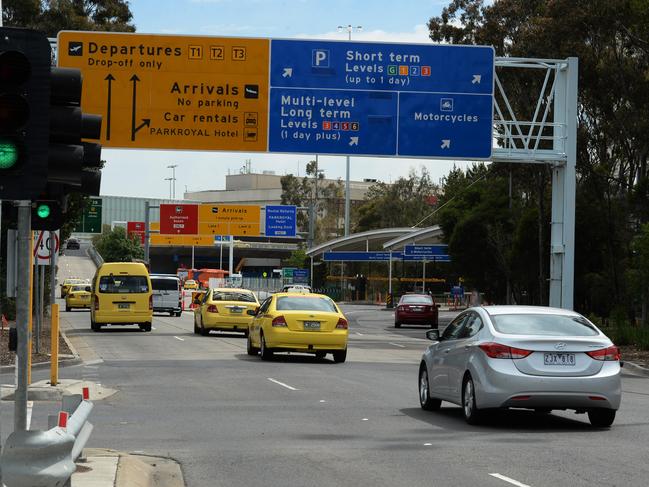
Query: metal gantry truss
(548, 136)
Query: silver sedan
(522, 357)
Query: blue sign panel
(445, 125)
(426, 250)
(280, 221)
(300, 276)
(379, 66)
(333, 122)
(427, 258)
(360, 256)
(360, 98)
(221, 238)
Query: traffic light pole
(22, 314)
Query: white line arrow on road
(476, 79)
(446, 144)
(353, 141)
(288, 72)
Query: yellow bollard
(54, 346)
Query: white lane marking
(507, 479)
(178, 338)
(153, 328)
(282, 384)
(428, 444)
(397, 345)
(365, 419)
(359, 334)
(322, 400)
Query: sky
(143, 172)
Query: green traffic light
(8, 154)
(43, 211)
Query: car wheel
(67, 309)
(340, 357)
(145, 326)
(246, 333)
(472, 414)
(265, 353)
(171, 313)
(425, 401)
(601, 418)
(249, 348)
(397, 324)
(320, 355)
(179, 313)
(204, 331)
(94, 326)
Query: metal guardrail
(94, 255)
(46, 458)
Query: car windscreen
(416, 300)
(123, 284)
(164, 284)
(543, 325)
(233, 296)
(305, 304)
(78, 288)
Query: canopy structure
(363, 241)
(428, 235)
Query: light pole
(173, 178)
(350, 28)
(170, 180)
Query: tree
(296, 259)
(611, 41)
(404, 203)
(52, 16)
(117, 246)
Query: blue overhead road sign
(359, 256)
(363, 98)
(426, 250)
(280, 220)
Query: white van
(167, 294)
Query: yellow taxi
(190, 284)
(69, 282)
(299, 322)
(78, 296)
(224, 309)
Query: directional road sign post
(292, 96)
(91, 217)
(281, 221)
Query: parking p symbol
(320, 58)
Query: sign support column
(147, 234)
(22, 313)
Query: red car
(416, 309)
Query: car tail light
(342, 324)
(96, 302)
(497, 350)
(212, 309)
(151, 301)
(280, 321)
(609, 354)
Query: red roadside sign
(136, 228)
(178, 219)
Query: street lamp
(173, 178)
(170, 180)
(350, 28)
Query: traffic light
(74, 163)
(46, 215)
(25, 58)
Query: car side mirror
(252, 312)
(433, 335)
(88, 289)
(438, 305)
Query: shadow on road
(450, 417)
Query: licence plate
(559, 359)
(123, 305)
(236, 310)
(416, 309)
(311, 325)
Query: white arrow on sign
(446, 144)
(353, 141)
(288, 72)
(476, 79)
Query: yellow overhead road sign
(173, 92)
(181, 240)
(240, 220)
